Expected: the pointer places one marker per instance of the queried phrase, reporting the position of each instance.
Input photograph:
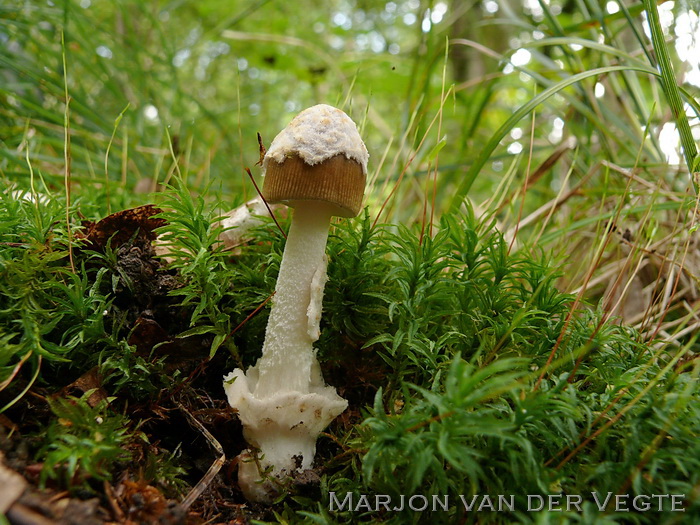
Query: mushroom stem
(282, 401)
(288, 347)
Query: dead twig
(255, 184)
(204, 483)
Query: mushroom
(318, 166)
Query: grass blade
(671, 90)
(523, 110)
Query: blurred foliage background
(456, 99)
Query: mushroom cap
(319, 156)
(337, 181)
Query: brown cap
(337, 180)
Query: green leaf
(197, 330)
